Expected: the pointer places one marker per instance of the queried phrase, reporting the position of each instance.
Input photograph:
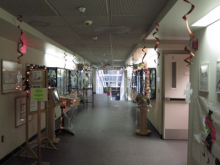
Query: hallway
(105, 135)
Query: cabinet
(138, 82)
(59, 78)
(82, 85)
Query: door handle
(174, 99)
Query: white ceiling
(172, 26)
(119, 25)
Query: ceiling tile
(66, 39)
(98, 46)
(27, 7)
(70, 7)
(118, 24)
(126, 38)
(82, 30)
(102, 38)
(131, 21)
(52, 20)
(140, 30)
(139, 7)
(111, 30)
(56, 31)
(79, 21)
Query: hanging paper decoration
(158, 40)
(188, 92)
(65, 60)
(74, 66)
(187, 60)
(143, 50)
(133, 65)
(20, 44)
(210, 138)
(108, 90)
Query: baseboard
(176, 134)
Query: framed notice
(218, 77)
(36, 76)
(11, 77)
(204, 77)
(20, 111)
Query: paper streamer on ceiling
(65, 60)
(187, 60)
(133, 61)
(20, 40)
(158, 40)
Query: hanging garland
(27, 74)
(147, 83)
(187, 60)
(20, 40)
(158, 40)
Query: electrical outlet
(2, 138)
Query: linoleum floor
(105, 135)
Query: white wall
(42, 51)
(16, 136)
(209, 51)
(155, 113)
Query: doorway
(113, 79)
(175, 109)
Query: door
(176, 110)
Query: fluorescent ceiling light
(209, 18)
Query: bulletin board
(11, 77)
(37, 79)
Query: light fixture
(82, 9)
(209, 18)
(94, 38)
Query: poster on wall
(11, 77)
(33, 104)
(206, 128)
(204, 77)
(218, 77)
